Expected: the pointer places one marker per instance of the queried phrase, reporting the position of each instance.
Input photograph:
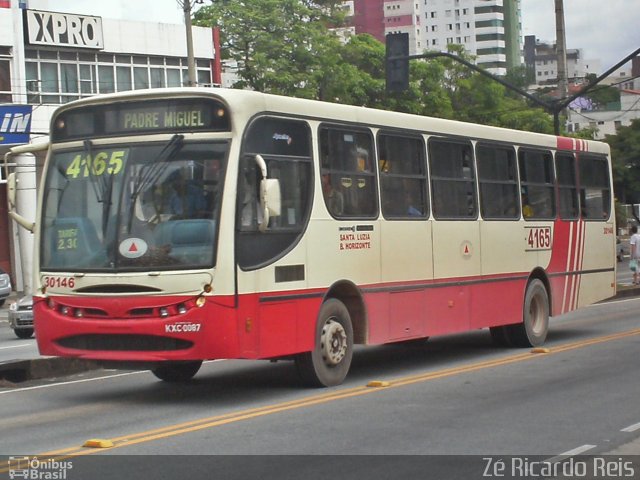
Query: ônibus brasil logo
(33, 468)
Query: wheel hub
(333, 342)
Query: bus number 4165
(539, 238)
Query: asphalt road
(457, 399)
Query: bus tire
(23, 332)
(175, 372)
(328, 363)
(532, 332)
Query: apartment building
(490, 30)
(542, 60)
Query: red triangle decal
(133, 248)
(466, 249)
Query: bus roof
(246, 103)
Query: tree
(281, 46)
(602, 95)
(625, 154)
(287, 47)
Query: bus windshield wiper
(88, 155)
(156, 170)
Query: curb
(624, 292)
(16, 371)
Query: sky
(605, 30)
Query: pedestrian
(634, 247)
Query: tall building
(488, 29)
(541, 59)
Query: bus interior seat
(191, 240)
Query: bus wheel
(328, 363)
(23, 332)
(177, 371)
(532, 332)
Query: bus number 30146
(64, 282)
(539, 238)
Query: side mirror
(11, 190)
(270, 201)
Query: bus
(182, 225)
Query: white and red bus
(177, 226)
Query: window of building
(61, 76)
(490, 23)
(5, 75)
(489, 9)
(107, 82)
(452, 179)
(403, 176)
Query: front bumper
(21, 319)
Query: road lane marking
(578, 450)
(631, 428)
(17, 346)
(571, 453)
(84, 380)
(210, 422)
(341, 394)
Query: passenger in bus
(333, 198)
(412, 210)
(527, 209)
(187, 199)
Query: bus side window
(452, 179)
(567, 186)
(595, 193)
(403, 177)
(348, 178)
(537, 183)
(285, 146)
(498, 179)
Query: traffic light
(397, 70)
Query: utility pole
(186, 8)
(561, 50)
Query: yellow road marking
(233, 417)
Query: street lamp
(186, 6)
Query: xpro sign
(15, 124)
(64, 29)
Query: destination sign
(133, 118)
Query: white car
(5, 286)
(21, 317)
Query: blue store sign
(15, 124)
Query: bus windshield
(128, 207)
